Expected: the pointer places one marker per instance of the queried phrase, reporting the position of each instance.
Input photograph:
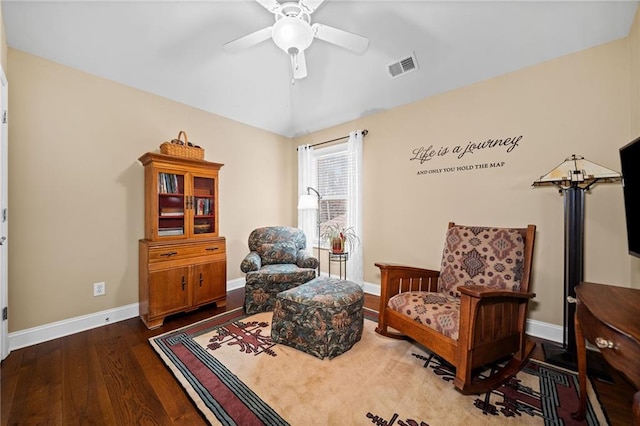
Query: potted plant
(340, 237)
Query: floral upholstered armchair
(277, 261)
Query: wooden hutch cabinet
(182, 260)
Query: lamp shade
(293, 35)
(308, 202)
(577, 171)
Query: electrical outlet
(99, 289)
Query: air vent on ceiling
(402, 66)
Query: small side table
(608, 316)
(341, 258)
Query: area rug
(236, 375)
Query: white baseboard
(54, 330)
(371, 288)
(236, 284)
(544, 330)
(44, 333)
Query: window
(332, 165)
(335, 173)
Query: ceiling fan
(293, 33)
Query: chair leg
(467, 385)
(383, 330)
(382, 323)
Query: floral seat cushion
(323, 317)
(280, 273)
(489, 257)
(439, 311)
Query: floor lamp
(573, 177)
(312, 202)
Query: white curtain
(355, 264)
(307, 219)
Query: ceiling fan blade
(310, 5)
(271, 5)
(351, 41)
(248, 40)
(299, 65)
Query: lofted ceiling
(174, 49)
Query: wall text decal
(422, 154)
(462, 168)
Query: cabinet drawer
(161, 254)
(623, 354)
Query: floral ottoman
(322, 317)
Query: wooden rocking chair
(473, 311)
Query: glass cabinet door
(202, 203)
(171, 205)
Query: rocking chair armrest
(409, 271)
(481, 292)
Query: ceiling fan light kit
(293, 33)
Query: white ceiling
(174, 49)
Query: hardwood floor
(112, 376)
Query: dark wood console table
(609, 317)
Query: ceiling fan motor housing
(294, 10)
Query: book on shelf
(163, 232)
(202, 228)
(171, 214)
(204, 206)
(168, 183)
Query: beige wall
(577, 104)
(634, 83)
(76, 187)
(634, 61)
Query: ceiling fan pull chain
(294, 67)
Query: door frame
(4, 217)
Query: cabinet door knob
(169, 254)
(201, 279)
(212, 248)
(183, 283)
(604, 343)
